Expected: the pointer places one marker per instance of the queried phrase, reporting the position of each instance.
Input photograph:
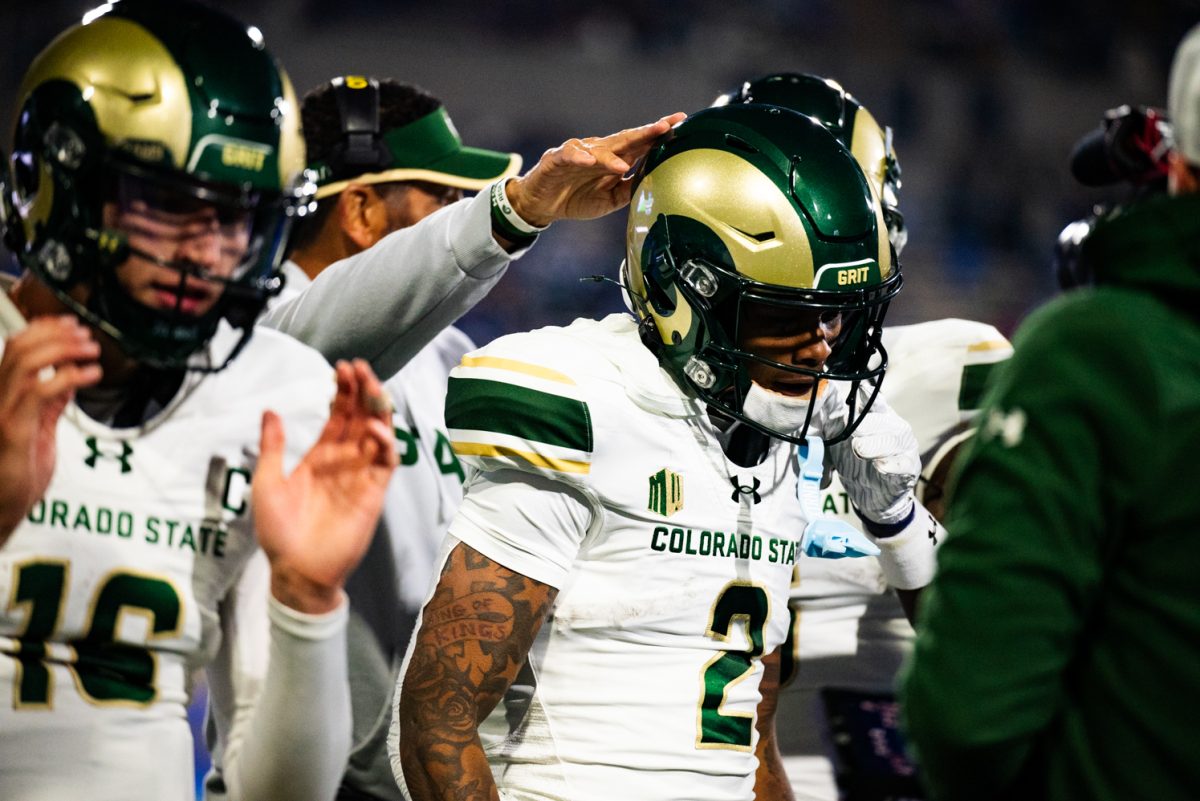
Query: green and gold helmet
(848, 120)
(748, 206)
(170, 106)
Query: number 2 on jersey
(105, 670)
(748, 603)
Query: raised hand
(42, 366)
(315, 524)
(584, 178)
(879, 465)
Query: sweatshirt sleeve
(1022, 566)
(387, 302)
(280, 698)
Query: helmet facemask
(175, 257)
(718, 368)
(156, 170)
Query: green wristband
(506, 222)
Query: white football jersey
(848, 629)
(672, 584)
(112, 583)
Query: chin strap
(824, 537)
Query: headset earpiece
(361, 148)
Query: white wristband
(502, 205)
(907, 558)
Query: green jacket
(1058, 651)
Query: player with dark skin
(488, 616)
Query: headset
(361, 148)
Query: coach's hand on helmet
(879, 465)
(315, 524)
(41, 368)
(584, 178)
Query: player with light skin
(135, 413)
(309, 574)
(638, 659)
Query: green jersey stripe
(482, 405)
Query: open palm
(316, 523)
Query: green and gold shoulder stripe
(502, 411)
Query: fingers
(632, 143)
(610, 161)
(582, 178)
(373, 398)
(66, 379)
(346, 396)
(361, 413)
(374, 436)
(635, 143)
(48, 342)
(575, 152)
(378, 446)
(270, 451)
(617, 152)
(590, 152)
(45, 363)
(345, 401)
(359, 392)
(620, 194)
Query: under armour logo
(96, 453)
(933, 529)
(745, 489)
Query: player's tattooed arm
(770, 783)
(475, 634)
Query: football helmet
(848, 120)
(746, 206)
(170, 107)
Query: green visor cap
(428, 149)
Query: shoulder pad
(937, 372)
(518, 403)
